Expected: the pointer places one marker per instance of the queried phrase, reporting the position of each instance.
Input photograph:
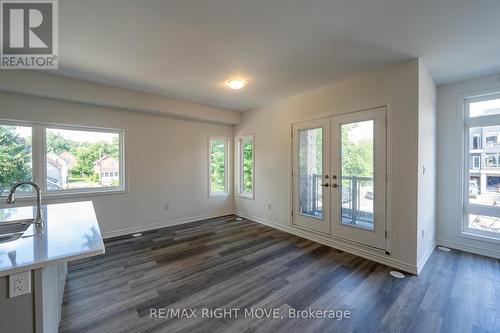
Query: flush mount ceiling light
(236, 83)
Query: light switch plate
(19, 284)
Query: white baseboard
(427, 255)
(344, 246)
(163, 224)
(468, 248)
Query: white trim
(375, 236)
(421, 263)
(466, 207)
(227, 191)
(317, 223)
(34, 147)
(359, 250)
(481, 235)
(469, 248)
(66, 195)
(239, 165)
(163, 224)
(121, 159)
(389, 155)
(39, 166)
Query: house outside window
(491, 160)
(476, 162)
(491, 139)
(476, 141)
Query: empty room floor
(230, 264)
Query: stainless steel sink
(12, 230)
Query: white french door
(339, 176)
(311, 164)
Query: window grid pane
(218, 166)
(484, 223)
(246, 165)
(482, 196)
(311, 172)
(357, 174)
(484, 108)
(81, 159)
(16, 158)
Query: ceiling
(186, 49)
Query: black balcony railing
(357, 200)
(311, 195)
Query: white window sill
(480, 237)
(68, 194)
(218, 195)
(248, 196)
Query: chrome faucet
(12, 198)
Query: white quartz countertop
(70, 232)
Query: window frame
(226, 191)
(34, 166)
(240, 175)
(490, 135)
(478, 137)
(469, 208)
(494, 157)
(474, 159)
(39, 166)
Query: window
(246, 167)
(491, 160)
(491, 139)
(16, 159)
(81, 158)
(476, 162)
(482, 189)
(61, 159)
(484, 106)
(218, 166)
(476, 141)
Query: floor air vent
(397, 275)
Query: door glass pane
(357, 174)
(484, 166)
(311, 172)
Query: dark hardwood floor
(224, 263)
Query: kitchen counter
(70, 232)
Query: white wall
(395, 86)
(427, 118)
(44, 85)
(166, 162)
(450, 125)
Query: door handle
(335, 185)
(325, 185)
